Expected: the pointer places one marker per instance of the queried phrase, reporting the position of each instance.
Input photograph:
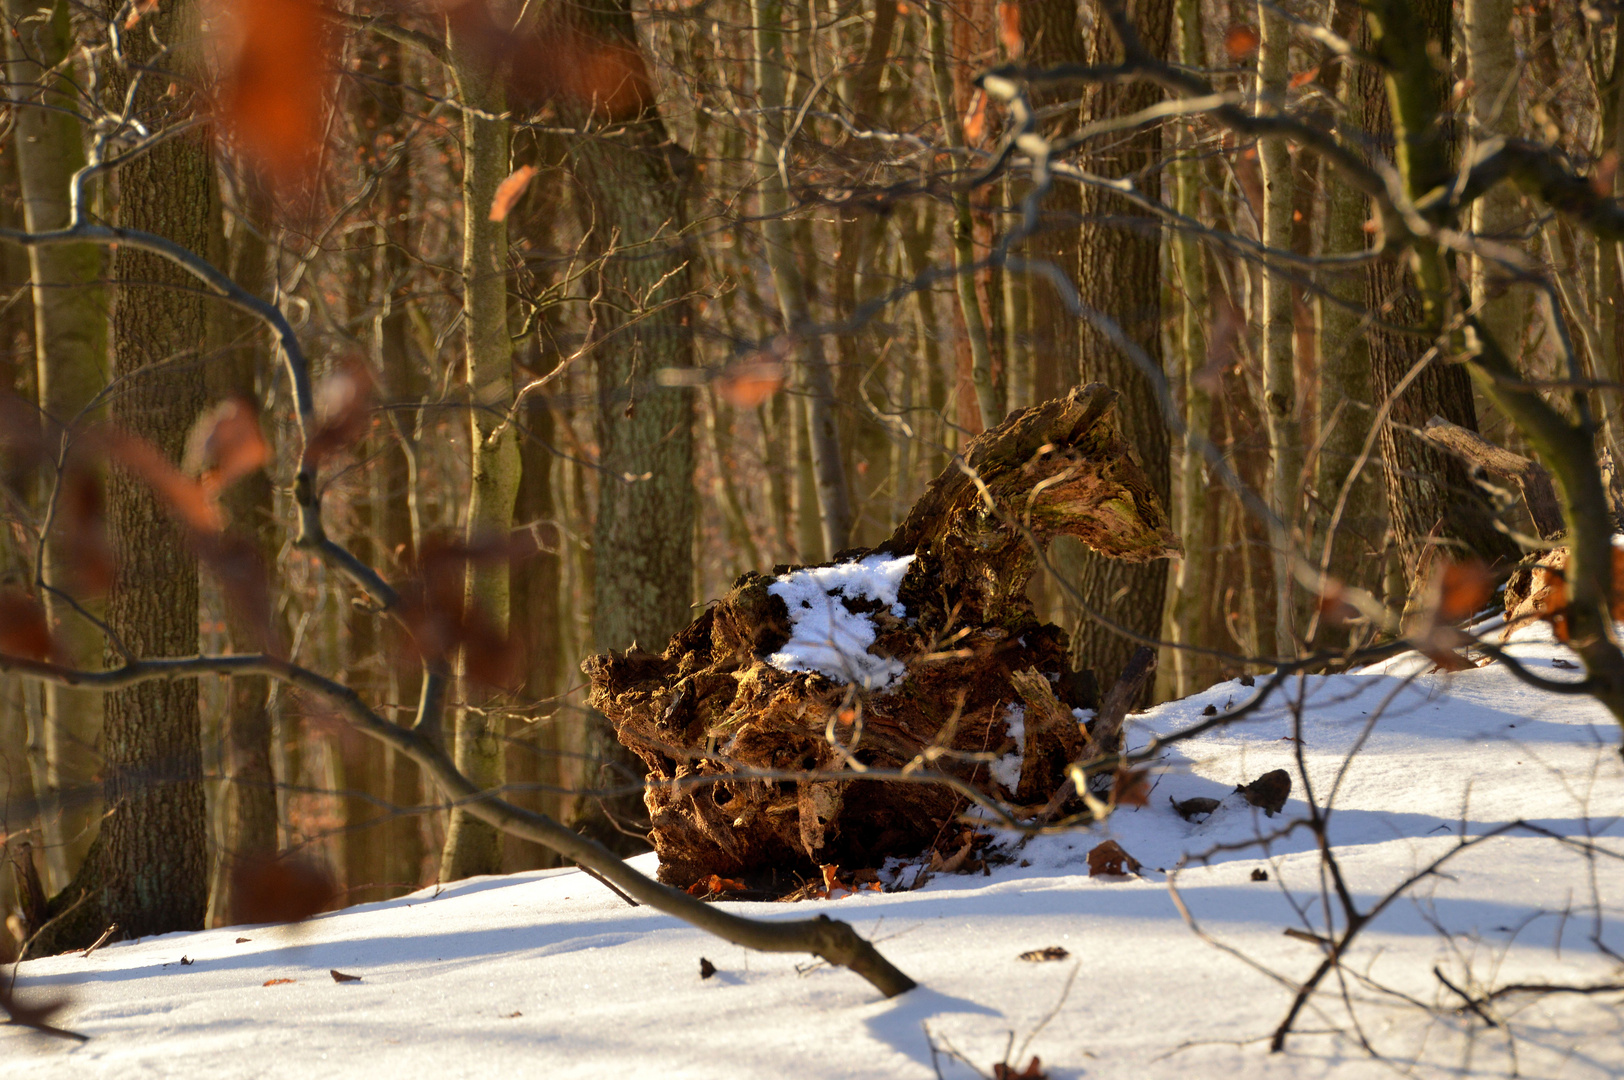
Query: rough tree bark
(1431, 500)
(1119, 275)
(154, 876)
(712, 707)
(633, 180)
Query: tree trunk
(1493, 70)
(964, 251)
(814, 379)
(634, 180)
(70, 341)
(1119, 275)
(1279, 330)
(1350, 546)
(155, 877)
(244, 369)
(1431, 500)
(1050, 31)
(1197, 570)
(473, 846)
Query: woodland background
(609, 303)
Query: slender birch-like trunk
(1197, 570)
(814, 378)
(1279, 374)
(964, 248)
(473, 846)
(70, 346)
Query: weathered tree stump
(922, 654)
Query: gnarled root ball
(922, 655)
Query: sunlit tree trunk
(814, 378)
(1198, 569)
(1279, 359)
(964, 250)
(70, 339)
(473, 846)
(1354, 541)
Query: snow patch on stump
(828, 637)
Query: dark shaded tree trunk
(1119, 275)
(1431, 500)
(633, 181)
(1052, 36)
(244, 368)
(155, 857)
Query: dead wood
(1532, 478)
(755, 772)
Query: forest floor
(550, 974)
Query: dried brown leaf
(343, 411)
(1268, 792)
(1033, 1071)
(1109, 858)
(1463, 589)
(340, 977)
(747, 385)
(226, 444)
(1052, 952)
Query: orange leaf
(1601, 181)
(975, 118)
(226, 444)
(1463, 589)
(1009, 29)
(278, 982)
(1303, 78)
(714, 885)
(509, 190)
(1240, 42)
(745, 386)
(181, 495)
(276, 86)
(1334, 608)
(1618, 583)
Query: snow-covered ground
(548, 974)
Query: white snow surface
(826, 636)
(548, 974)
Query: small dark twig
(1469, 1001)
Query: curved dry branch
(822, 936)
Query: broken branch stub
(920, 656)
